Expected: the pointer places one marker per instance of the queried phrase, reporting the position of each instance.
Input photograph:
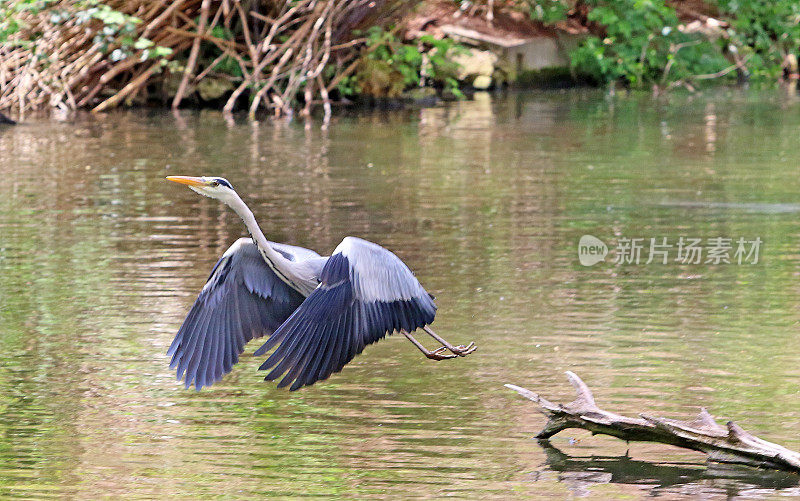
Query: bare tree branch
(724, 444)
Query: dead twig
(195, 51)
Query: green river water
(101, 258)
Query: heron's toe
(438, 354)
(463, 351)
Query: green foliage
(10, 22)
(391, 66)
(765, 30)
(547, 11)
(440, 65)
(227, 64)
(642, 42)
(115, 32)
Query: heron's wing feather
(242, 299)
(365, 292)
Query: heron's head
(214, 187)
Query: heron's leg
(459, 350)
(433, 355)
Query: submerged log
(723, 444)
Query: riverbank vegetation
(286, 55)
(254, 54)
(682, 42)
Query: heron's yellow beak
(188, 180)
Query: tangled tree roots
(285, 52)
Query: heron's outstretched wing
(365, 292)
(242, 299)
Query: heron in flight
(319, 312)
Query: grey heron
(319, 312)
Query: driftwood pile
(724, 444)
(281, 48)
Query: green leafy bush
(642, 45)
(391, 66)
(765, 30)
(546, 11)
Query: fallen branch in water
(723, 444)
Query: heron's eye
(214, 184)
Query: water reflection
(582, 474)
(485, 200)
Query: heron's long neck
(282, 267)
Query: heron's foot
(460, 350)
(438, 354)
(463, 351)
